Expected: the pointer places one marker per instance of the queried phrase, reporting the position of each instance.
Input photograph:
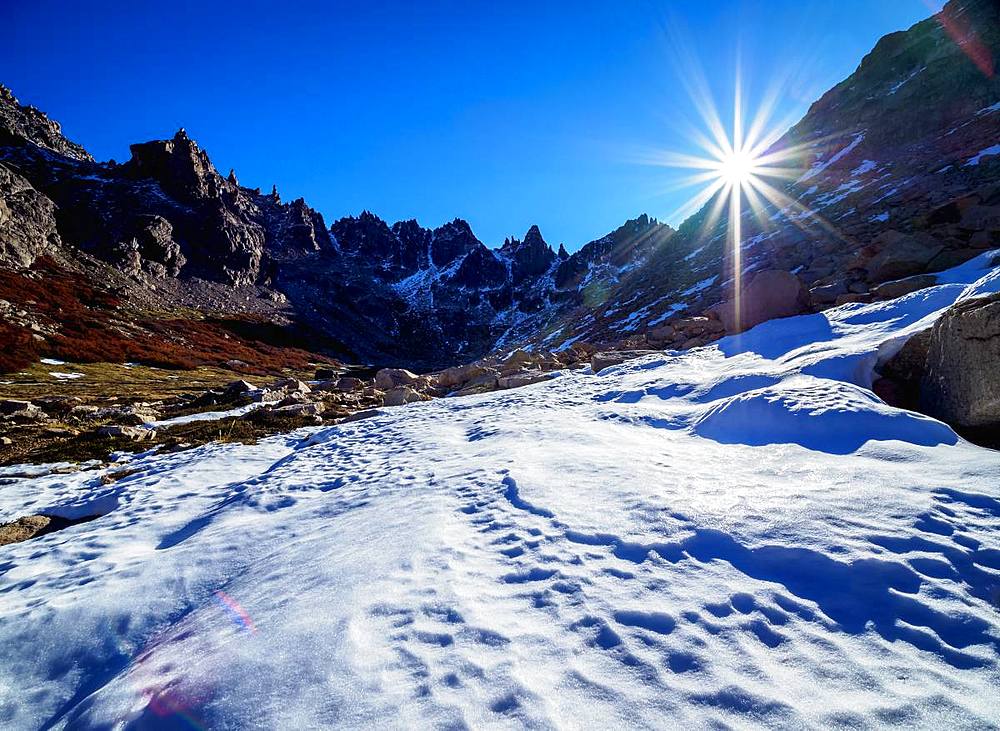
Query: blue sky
(505, 114)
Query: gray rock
(349, 383)
(401, 395)
(290, 385)
(961, 385)
(13, 406)
(771, 294)
(305, 409)
(608, 358)
(902, 255)
(133, 433)
(517, 380)
(899, 287)
(389, 378)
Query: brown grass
(89, 329)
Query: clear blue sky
(505, 114)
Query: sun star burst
(740, 171)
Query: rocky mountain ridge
(899, 178)
(176, 231)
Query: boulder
(516, 380)
(389, 378)
(304, 409)
(771, 294)
(401, 395)
(130, 415)
(608, 358)
(851, 297)
(21, 412)
(325, 374)
(83, 412)
(132, 433)
(235, 389)
(12, 406)
(349, 383)
(458, 375)
(519, 360)
(664, 333)
(899, 287)
(826, 294)
(290, 385)
(902, 373)
(902, 255)
(960, 385)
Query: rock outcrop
(961, 384)
(769, 295)
(27, 221)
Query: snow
(988, 152)
(205, 416)
(699, 286)
(819, 166)
(667, 314)
(899, 84)
(736, 536)
(881, 217)
(62, 376)
(865, 167)
(52, 361)
(694, 253)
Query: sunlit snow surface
(739, 535)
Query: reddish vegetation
(88, 333)
(17, 348)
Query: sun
(738, 167)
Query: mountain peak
(20, 124)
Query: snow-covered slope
(733, 536)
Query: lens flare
(740, 170)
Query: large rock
(132, 433)
(608, 358)
(771, 294)
(902, 255)
(899, 287)
(401, 395)
(961, 385)
(519, 360)
(349, 383)
(457, 375)
(516, 380)
(390, 378)
(290, 385)
(27, 221)
(902, 372)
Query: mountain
(169, 233)
(898, 178)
